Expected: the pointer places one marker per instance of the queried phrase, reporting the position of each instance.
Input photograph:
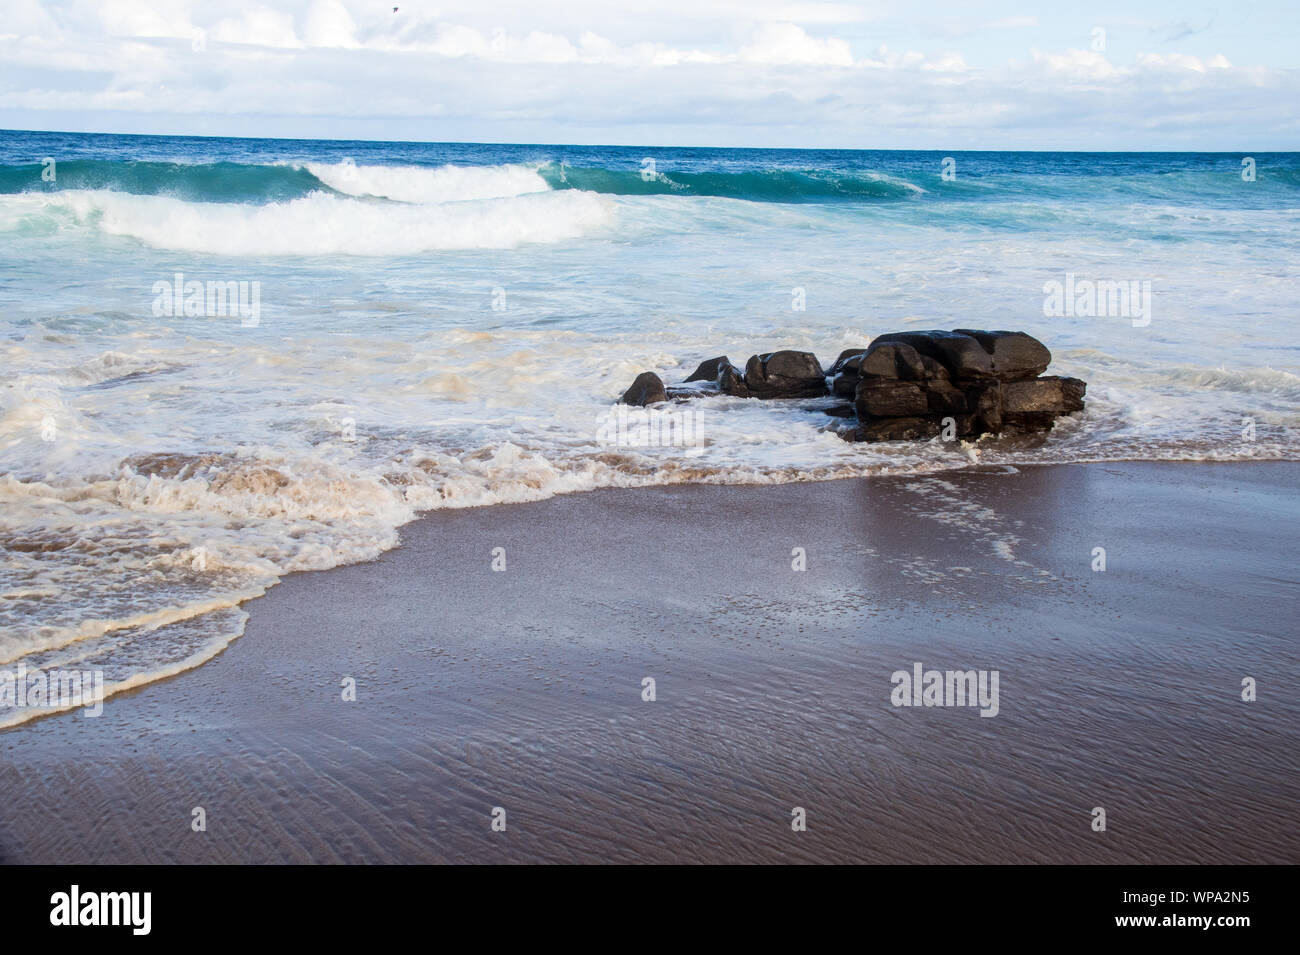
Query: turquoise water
(444, 325)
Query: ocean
(412, 326)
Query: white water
(429, 185)
(319, 224)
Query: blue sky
(1100, 75)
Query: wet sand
(522, 688)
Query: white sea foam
(426, 184)
(320, 224)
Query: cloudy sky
(1098, 75)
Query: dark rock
(962, 355)
(889, 399)
(844, 357)
(1015, 355)
(904, 385)
(731, 381)
(709, 369)
(885, 360)
(845, 373)
(681, 393)
(785, 374)
(792, 364)
(1073, 390)
(945, 398)
(1031, 395)
(1054, 395)
(845, 384)
(932, 368)
(894, 429)
(721, 372)
(1027, 422)
(646, 390)
(966, 426)
(984, 402)
(892, 360)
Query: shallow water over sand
(523, 689)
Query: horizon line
(468, 142)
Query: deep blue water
(247, 170)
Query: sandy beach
(522, 688)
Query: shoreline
(522, 688)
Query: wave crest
(319, 223)
(429, 184)
(777, 185)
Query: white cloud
(946, 63)
(136, 18)
(788, 43)
(886, 59)
(261, 26)
(328, 23)
(454, 40)
(1178, 61)
(1077, 64)
(711, 71)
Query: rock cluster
(904, 385)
